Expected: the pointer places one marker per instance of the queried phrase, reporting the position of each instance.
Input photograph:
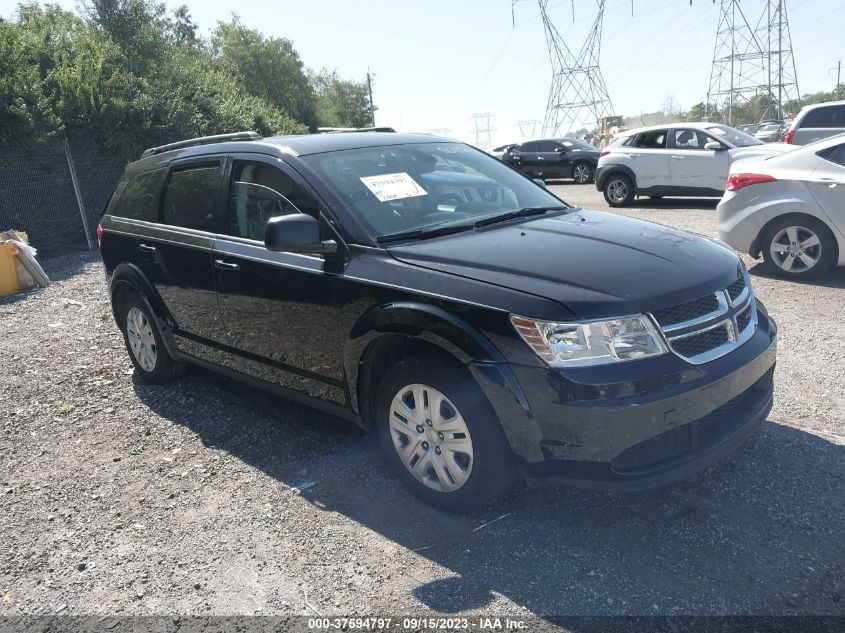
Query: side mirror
(538, 181)
(715, 146)
(560, 150)
(296, 233)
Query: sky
(437, 63)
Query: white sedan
(679, 159)
(789, 208)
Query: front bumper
(636, 425)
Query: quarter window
(190, 198)
(259, 192)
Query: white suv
(680, 159)
(817, 121)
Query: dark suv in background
(550, 159)
(424, 290)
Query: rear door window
(652, 140)
(829, 116)
(191, 195)
(139, 199)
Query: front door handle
(678, 157)
(147, 248)
(220, 263)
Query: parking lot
(209, 497)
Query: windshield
(734, 136)
(395, 189)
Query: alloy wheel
(617, 191)
(581, 174)
(795, 249)
(142, 342)
(431, 437)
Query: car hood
(595, 264)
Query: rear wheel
(798, 247)
(441, 436)
(619, 190)
(143, 341)
(582, 173)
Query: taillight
(603, 153)
(788, 137)
(99, 237)
(738, 181)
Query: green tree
(696, 112)
(341, 103)
(267, 67)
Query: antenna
(578, 97)
(753, 75)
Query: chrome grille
(712, 325)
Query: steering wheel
(450, 199)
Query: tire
(798, 247)
(144, 344)
(582, 173)
(478, 475)
(618, 190)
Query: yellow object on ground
(8, 270)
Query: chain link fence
(38, 194)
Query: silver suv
(817, 121)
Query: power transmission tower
(483, 140)
(753, 71)
(528, 128)
(440, 131)
(578, 97)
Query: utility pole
(838, 70)
(370, 90)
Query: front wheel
(798, 247)
(582, 173)
(441, 436)
(618, 190)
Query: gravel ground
(208, 497)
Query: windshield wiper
(518, 213)
(421, 234)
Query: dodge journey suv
(481, 327)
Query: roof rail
(203, 140)
(333, 130)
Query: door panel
(827, 184)
(278, 308)
(693, 167)
(175, 253)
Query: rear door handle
(147, 248)
(678, 157)
(220, 263)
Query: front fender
(455, 337)
(605, 171)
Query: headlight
(593, 343)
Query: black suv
(553, 158)
(427, 291)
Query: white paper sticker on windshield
(387, 187)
